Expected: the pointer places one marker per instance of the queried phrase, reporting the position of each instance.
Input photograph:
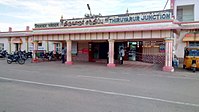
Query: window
(185, 13)
(180, 14)
(40, 47)
(58, 47)
(74, 48)
(193, 43)
(193, 52)
(39, 44)
(1, 46)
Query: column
(69, 53)
(47, 46)
(55, 45)
(27, 44)
(9, 42)
(111, 54)
(168, 55)
(34, 59)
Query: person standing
(121, 54)
(175, 61)
(63, 54)
(107, 57)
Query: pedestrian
(107, 57)
(121, 54)
(175, 61)
(63, 54)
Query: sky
(21, 13)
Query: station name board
(141, 17)
(114, 19)
(47, 25)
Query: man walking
(63, 54)
(121, 54)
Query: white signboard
(124, 18)
(31, 48)
(41, 48)
(111, 19)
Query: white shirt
(122, 52)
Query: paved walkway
(128, 65)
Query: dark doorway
(103, 50)
(98, 51)
(17, 46)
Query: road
(89, 87)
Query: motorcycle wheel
(25, 57)
(50, 58)
(21, 61)
(9, 61)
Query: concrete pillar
(168, 55)
(69, 52)
(111, 54)
(9, 49)
(47, 46)
(34, 59)
(54, 48)
(27, 48)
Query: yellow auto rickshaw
(191, 58)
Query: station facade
(152, 37)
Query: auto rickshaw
(191, 58)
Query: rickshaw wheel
(184, 66)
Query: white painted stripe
(103, 92)
(172, 77)
(114, 79)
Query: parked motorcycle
(29, 54)
(15, 58)
(50, 56)
(54, 57)
(3, 54)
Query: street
(91, 87)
